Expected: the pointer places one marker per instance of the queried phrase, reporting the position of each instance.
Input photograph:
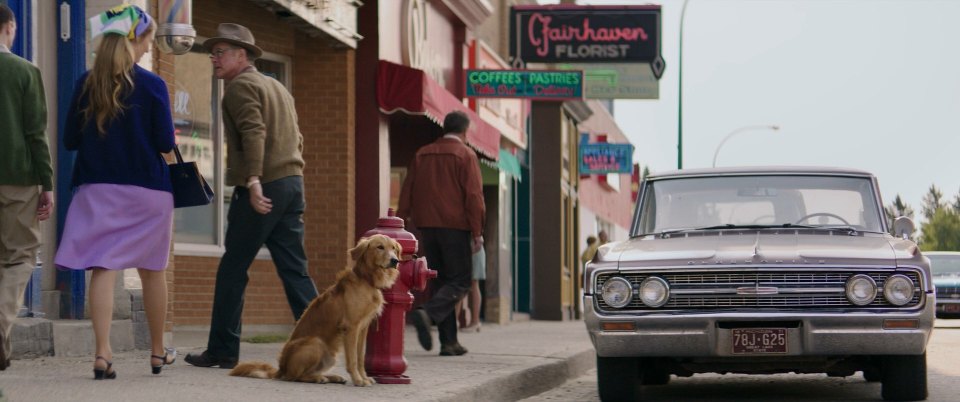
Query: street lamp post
(773, 127)
(683, 12)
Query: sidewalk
(505, 363)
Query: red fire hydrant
(384, 361)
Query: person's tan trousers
(19, 242)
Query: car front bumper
(702, 335)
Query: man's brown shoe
(421, 321)
(455, 349)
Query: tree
(941, 232)
(956, 203)
(932, 201)
(895, 210)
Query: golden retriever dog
(337, 319)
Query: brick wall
(323, 81)
(323, 86)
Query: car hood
(755, 248)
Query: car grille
(717, 290)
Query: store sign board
(586, 34)
(617, 80)
(605, 158)
(526, 84)
(506, 115)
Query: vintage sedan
(760, 271)
(946, 277)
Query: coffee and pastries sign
(586, 34)
(604, 158)
(527, 84)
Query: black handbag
(189, 187)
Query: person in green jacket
(24, 168)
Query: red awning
(411, 91)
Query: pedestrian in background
(474, 299)
(591, 250)
(25, 169)
(121, 215)
(442, 196)
(264, 162)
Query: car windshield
(728, 202)
(945, 264)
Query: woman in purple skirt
(121, 215)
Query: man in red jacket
(443, 196)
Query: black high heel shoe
(106, 373)
(168, 353)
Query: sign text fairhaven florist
(529, 84)
(585, 34)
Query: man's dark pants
(247, 230)
(448, 251)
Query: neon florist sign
(608, 42)
(586, 34)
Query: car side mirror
(903, 227)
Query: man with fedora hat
(265, 164)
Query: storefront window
(197, 133)
(200, 138)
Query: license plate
(951, 308)
(759, 340)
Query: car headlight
(616, 292)
(861, 290)
(654, 291)
(898, 290)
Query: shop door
(71, 63)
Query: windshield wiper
(666, 233)
(849, 229)
(777, 226)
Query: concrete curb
(31, 338)
(529, 382)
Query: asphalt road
(943, 379)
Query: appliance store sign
(605, 158)
(581, 34)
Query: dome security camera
(175, 38)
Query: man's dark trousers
(247, 230)
(448, 251)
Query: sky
(866, 84)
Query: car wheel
(653, 372)
(618, 378)
(904, 377)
